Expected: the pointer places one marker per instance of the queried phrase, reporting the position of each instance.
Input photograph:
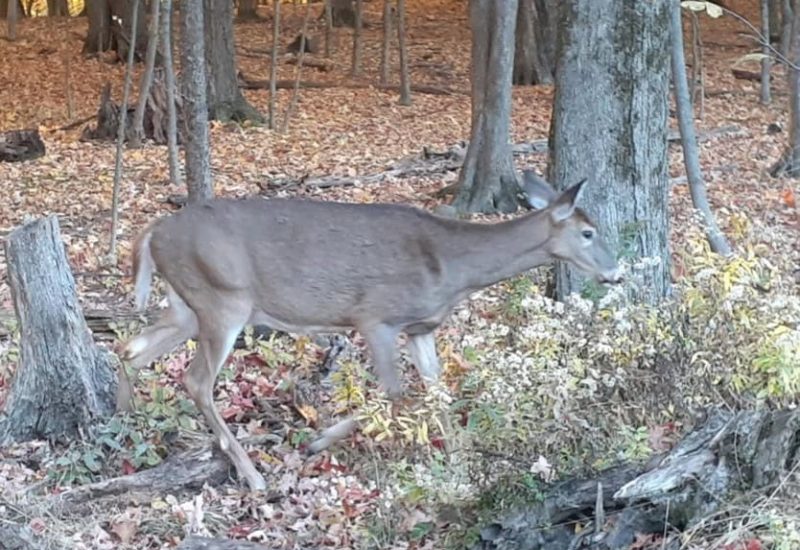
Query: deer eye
(587, 234)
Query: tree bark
(609, 125)
(691, 156)
(12, 16)
(387, 40)
(57, 8)
(248, 10)
(405, 78)
(98, 38)
(225, 100)
(356, 68)
(766, 61)
(63, 382)
(21, 145)
(169, 85)
(789, 163)
(137, 131)
(193, 84)
(273, 67)
(487, 181)
(535, 42)
(342, 13)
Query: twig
(273, 69)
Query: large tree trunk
(535, 42)
(609, 124)
(98, 38)
(193, 84)
(63, 381)
(225, 99)
(57, 8)
(342, 13)
(12, 17)
(487, 182)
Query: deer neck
(489, 253)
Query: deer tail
(143, 267)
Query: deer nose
(611, 277)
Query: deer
(310, 266)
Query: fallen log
(105, 325)
(203, 543)
(20, 145)
(251, 84)
(726, 453)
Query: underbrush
(544, 390)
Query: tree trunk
(328, 13)
(535, 42)
(137, 131)
(57, 8)
(225, 99)
(405, 79)
(356, 68)
(12, 17)
(609, 125)
(774, 12)
(487, 181)
(767, 22)
(248, 10)
(21, 145)
(63, 381)
(789, 164)
(387, 40)
(787, 16)
(273, 67)
(193, 84)
(98, 38)
(170, 92)
(342, 13)
(691, 156)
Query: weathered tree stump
(155, 115)
(728, 452)
(19, 145)
(310, 44)
(63, 381)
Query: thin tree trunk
(387, 40)
(298, 71)
(328, 27)
(691, 156)
(698, 88)
(487, 181)
(193, 80)
(123, 117)
(273, 69)
(786, 27)
(12, 16)
(766, 61)
(405, 79)
(169, 83)
(357, 40)
(147, 76)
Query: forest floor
(340, 498)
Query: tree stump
(156, 118)
(19, 145)
(63, 381)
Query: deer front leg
(199, 381)
(422, 348)
(381, 343)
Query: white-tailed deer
(311, 266)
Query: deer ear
(564, 205)
(538, 192)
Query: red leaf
(127, 467)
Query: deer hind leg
(381, 343)
(215, 343)
(422, 348)
(176, 324)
